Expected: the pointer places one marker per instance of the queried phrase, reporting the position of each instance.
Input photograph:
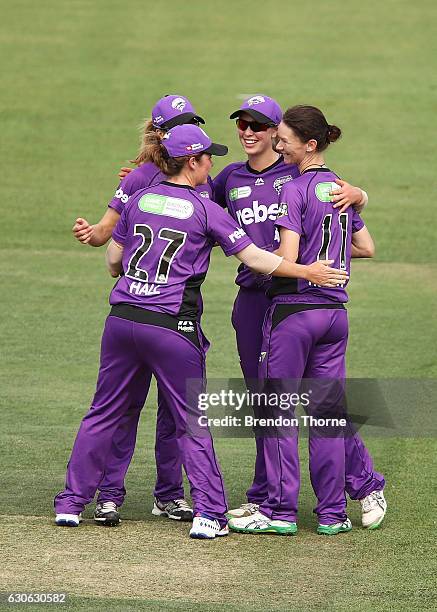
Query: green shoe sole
(284, 531)
(376, 525)
(329, 531)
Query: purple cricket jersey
(324, 232)
(168, 232)
(145, 175)
(251, 198)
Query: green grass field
(77, 77)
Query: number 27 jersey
(167, 232)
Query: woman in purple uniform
(169, 500)
(305, 337)
(161, 246)
(250, 190)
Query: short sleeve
(119, 233)
(357, 222)
(290, 209)
(127, 187)
(222, 228)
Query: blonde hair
(146, 129)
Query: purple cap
(190, 139)
(262, 108)
(173, 110)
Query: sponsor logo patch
(186, 326)
(322, 191)
(259, 181)
(239, 233)
(239, 192)
(166, 206)
(195, 147)
(283, 210)
(257, 213)
(121, 196)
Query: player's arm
(264, 262)
(362, 243)
(114, 255)
(98, 234)
(347, 195)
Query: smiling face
(255, 143)
(291, 146)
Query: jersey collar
(276, 163)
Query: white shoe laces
(251, 507)
(182, 504)
(108, 506)
(371, 502)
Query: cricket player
(251, 191)
(169, 499)
(305, 336)
(161, 246)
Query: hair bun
(334, 133)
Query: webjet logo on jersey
(239, 233)
(257, 213)
(121, 196)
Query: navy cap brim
(255, 114)
(181, 119)
(216, 149)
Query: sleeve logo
(121, 196)
(322, 191)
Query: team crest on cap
(179, 104)
(255, 100)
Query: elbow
(370, 251)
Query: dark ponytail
(309, 123)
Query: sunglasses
(194, 121)
(242, 125)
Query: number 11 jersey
(325, 233)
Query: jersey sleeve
(222, 229)
(290, 209)
(357, 222)
(119, 233)
(127, 187)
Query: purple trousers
(168, 458)
(169, 484)
(130, 353)
(250, 309)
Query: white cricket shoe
(259, 523)
(68, 520)
(206, 528)
(243, 510)
(373, 509)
